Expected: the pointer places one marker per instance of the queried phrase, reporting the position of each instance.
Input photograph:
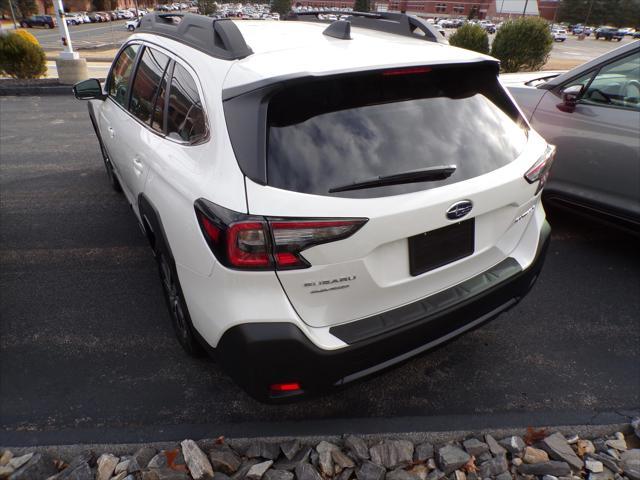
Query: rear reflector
(406, 71)
(285, 387)
(539, 172)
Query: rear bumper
(258, 355)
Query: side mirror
(88, 90)
(570, 96)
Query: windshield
(330, 132)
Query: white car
(559, 35)
(324, 200)
(131, 25)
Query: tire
(131, 28)
(24, 25)
(178, 311)
(47, 26)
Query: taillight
(540, 170)
(251, 242)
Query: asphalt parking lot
(87, 353)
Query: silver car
(592, 115)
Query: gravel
(537, 455)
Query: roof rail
(394, 23)
(218, 38)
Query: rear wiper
(430, 174)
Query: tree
(472, 37)
(100, 5)
(620, 13)
(522, 44)
(473, 13)
(25, 8)
(362, 6)
(207, 7)
(281, 6)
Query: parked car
(73, 18)
(609, 33)
(131, 25)
(592, 114)
(559, 35)
(636, 35)
(339, 262)
(489, 27)
(581, 30)
(46, 21)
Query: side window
(185, 116)
(617, 84)
(583, 81)
(146, 83)
(157, 116)
(119, 77)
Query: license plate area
(430, 250)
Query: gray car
(592, 115)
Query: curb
(36, 90)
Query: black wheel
(177, 307)
(131, 28)
(47, 26)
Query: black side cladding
(219, 38)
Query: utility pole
(586, 21)
(13, 15)
(68, 54)
(525, 8)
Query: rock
(612, 452)
(6, 456)
(493, 467)
(420, 471)
(494, 446)
(106, 466)
(436, 475)
(290, 448)
(341, 459)
(451, 458)
(485, 456)
(305, 471)
(573, 439)
(557, 469)
(534, 455)
(517, 461)
(504, 476)
(431, 464)
(422, 452)
(196, 460)
(122, 467)
(290, 464)
(325, 461)
(141, 459)
(472, 476)
(558, 449)
(475, 447)
(346, 474)
(392, 453)
(600, 444)
(157, 461)
(400, 474)
(630, 463)
(123, 475)
(245, 466)
(5, 471)
(76, 472)
(273, 474)
(39, 465)
(593, 465)
(261, 449)
(164, 474)
(459, 475)
(618, 443)
(606, 474)
(258, 470)
(514, 444)
(17, 462)
(607, 460)
(370, 471)
(585, 447)
(224, 459)
(357, 447)
(551, 477)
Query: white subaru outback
(324, 200)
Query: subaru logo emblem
(459, 209)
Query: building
(46, 6)
(456, 8)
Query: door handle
(112, 132)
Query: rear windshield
(327, 133)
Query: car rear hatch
(427, 163)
